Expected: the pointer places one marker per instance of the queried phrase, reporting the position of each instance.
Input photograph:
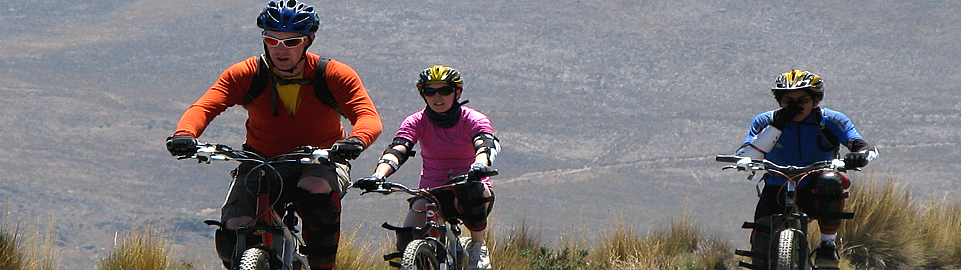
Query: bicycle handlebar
(749, 164)
(391, 187)
(207, 152)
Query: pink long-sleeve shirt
(445, 152)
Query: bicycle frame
(277, 233)
(791, 221)
(434, 230)
(278, 236)
(449, 250)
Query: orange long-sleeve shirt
(312, 124)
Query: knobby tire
(789, 253)
(420, 255)
(255, 259)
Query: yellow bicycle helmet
(798, 80)
(440, 73)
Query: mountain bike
(436, 246)
(789, 248)
(275, 224)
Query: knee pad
(830, 197)
(319, 210)
(761, 237)
(471, 205)
(321, 227)
(470, 193)
(760, 241)
(404, 237)
(225, 240)
(830, 186)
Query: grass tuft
(680, 246)
(142, 251)
(885, 233)
(353, 255)
(11, 252)
(19, 253)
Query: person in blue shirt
(801, 133)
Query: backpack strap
(321, 90)
(259, 82)
(826, 134)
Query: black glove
(786, 115)
(855, 160)
(349, 148)
(369, 183)
(479, 170)
(181, 145)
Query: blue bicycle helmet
(288, 16)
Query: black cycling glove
(785, 115)
(479, 170)
(369, 183)
(182, 145)
(349, 148)
(855, 160)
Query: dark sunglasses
(288, 42)
(799, 101)
(443, 91)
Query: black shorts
(772, 201)
(242, 197)
(447, 201)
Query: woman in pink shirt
(454, 139)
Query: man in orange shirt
(288, 114)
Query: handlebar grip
(728, 158)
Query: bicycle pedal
(748, 253)
(392, 256)
(211, 222)
(755, 226)
(749, 265)
(395, 264)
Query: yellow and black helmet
(440, 73)
(799, 80)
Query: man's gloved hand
(349, 148)
(479, 170)
(855, 160)
(786, 115)
(369, 183)
(182, 145)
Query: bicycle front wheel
(790, 255)
(420, 255)
(254, 259)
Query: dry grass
(680, 246)
(885, 233)
(143, 251)
(353, 255)
(941, 224)
(30, 253)
(506, 251)
(11, 255)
